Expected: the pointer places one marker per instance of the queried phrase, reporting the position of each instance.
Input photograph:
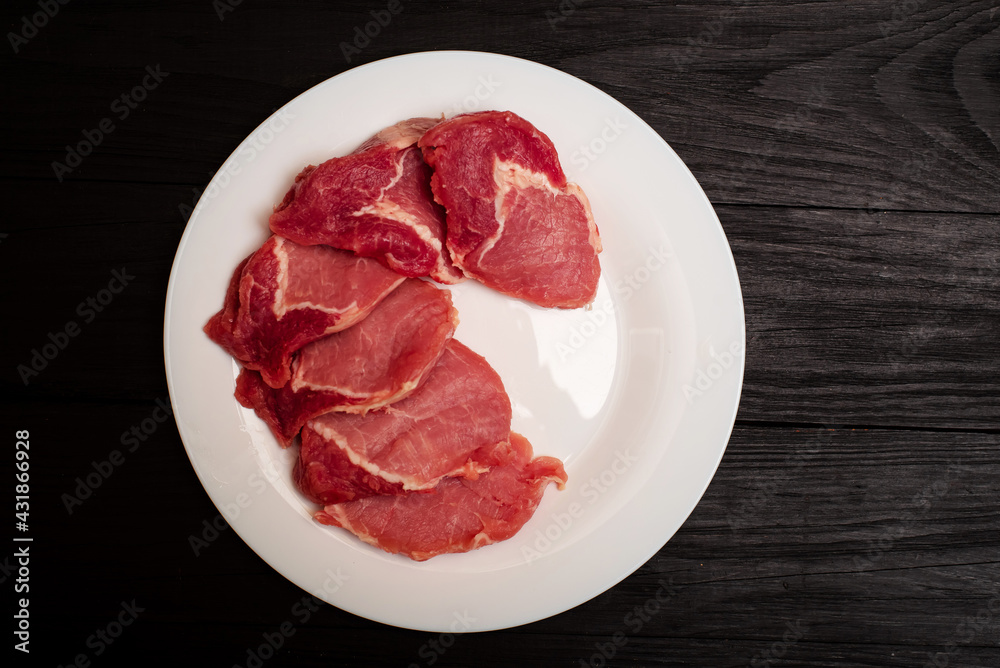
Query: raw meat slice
(220, 326)
(513, 221)
(459, 514)
(409, 445)
(376, 362)
(376, 202)
(285, 296)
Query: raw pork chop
(411, 444)
(377, 361)
(286, 295)
(514, 223)
(459, 514)
(376, 202)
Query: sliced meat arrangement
(459, 514)
(376, 362)
(285, 296)
(406, 437)
(376, 202)
(411, 444)
(513, 221)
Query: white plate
(637, 396)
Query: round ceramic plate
(637, 395)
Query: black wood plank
(887, 538)
(857, 105)
(869, 318)
(91, 308)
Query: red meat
(376, 202)
(413, 443)
(376, 362)
(459, 514)
(285, 296)
(513, 221)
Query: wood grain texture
(851, 107)
(872, 544)
(852, 151)
(861, 318)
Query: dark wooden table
(852, 152)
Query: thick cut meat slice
(411, 444)
(285, 296)
(514, 223)
(459, 514)
(376, 362)
(376, 202)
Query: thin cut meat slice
(376, 202)
(376, 362)
(221, 325)
(459, 514)
(409, 445)
(285, 296)
(513, 221)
